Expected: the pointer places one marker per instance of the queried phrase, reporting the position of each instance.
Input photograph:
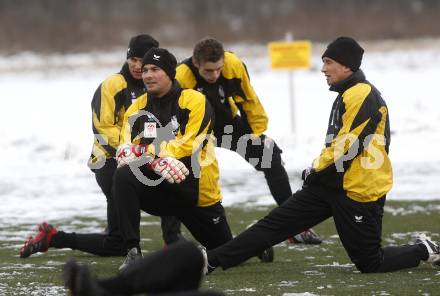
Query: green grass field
(297, 269)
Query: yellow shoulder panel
(351, 96)
(114, 84)
(233, 67)
(190, 99)
(185, 76)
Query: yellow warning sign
(290, 55)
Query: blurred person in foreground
(240, 119)
(166, 160)
(348, 181)
(110, 102)
(176, 270)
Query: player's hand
(308, 175)
(128, 153)
(173, 170)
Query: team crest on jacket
(221, 92)
(175, 125)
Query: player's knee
(122, 174)
(366, 265)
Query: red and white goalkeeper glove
(128, 153)
(173, 170)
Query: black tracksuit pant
(208, 225)
(172, 271)
(359, 226)
(263, 154)
(110, 243)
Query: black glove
(308, 176)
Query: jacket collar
(170, 95)
(196, 73)
(129, 78)
(190, 64)
(348, 82)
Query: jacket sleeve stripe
(96, 102)
(348, 135)
(105, 107)
(208, 118)
(188, 138)
(368, 110)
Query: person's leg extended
(94, 243)
(102, 244)
(265, 156)
(262, 153)
(177, 268)
(360, 229)
(270, 163)
(302, 211)
(171, 270)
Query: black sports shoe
(132, 257)
(267, 255)
(79, 282)
(207, 269)
(432, 248)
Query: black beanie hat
(163, 59)
(139, 45)
(346, 51)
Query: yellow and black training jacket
(178, 125)
(110, 101)
(231, 93)
(355, 158)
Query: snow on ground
(45, 128)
